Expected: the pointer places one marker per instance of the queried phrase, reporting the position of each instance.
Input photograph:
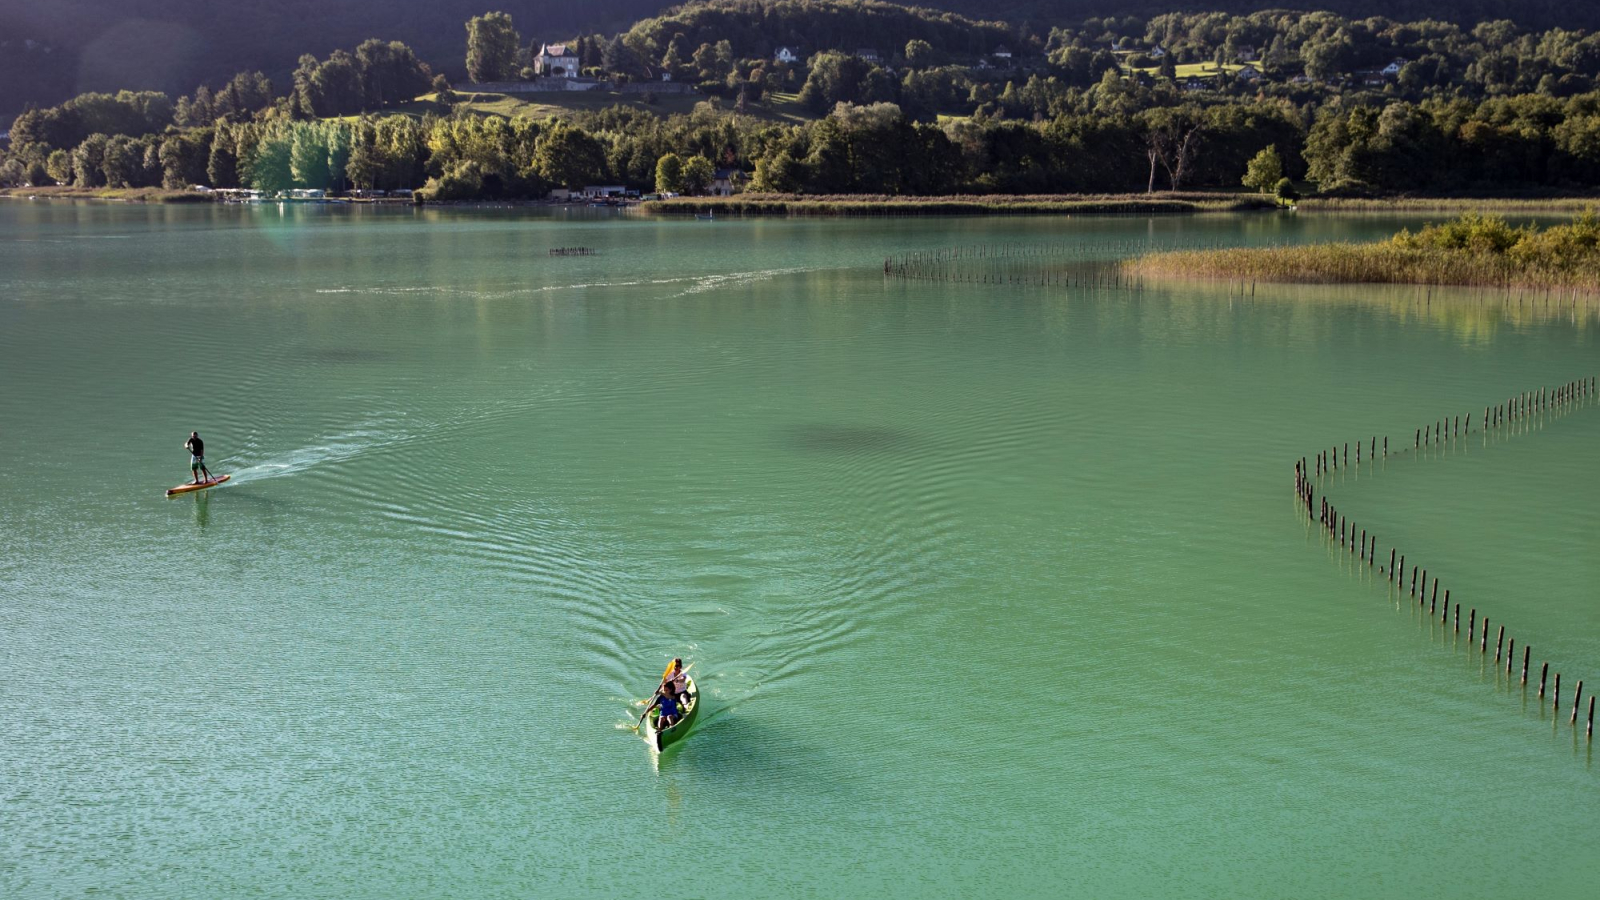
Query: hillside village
(839, 97)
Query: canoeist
(676, 677)
(670, 701)
(197, 456)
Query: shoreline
(842, 205)
(867, 205)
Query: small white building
(1001, 52)
(1249, 73)
(603, 191)
(786, 55)
(867, 54)
(556, 60)
(1157, 52)
(1393, 68)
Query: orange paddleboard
(186, 488)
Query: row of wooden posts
(1364, 546)
(1447, 429)
(573, 251)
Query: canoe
(662, 739)
(186, 488)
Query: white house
(867, 54)
(1247, 54)
(1157, 52)
(1393, 68)
(1250, 73)
(1001, 52)
(786, 55)
(556, 60)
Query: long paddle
(652, 702)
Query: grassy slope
(779, 108)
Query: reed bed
(968, 204)
(1474, 251)
(125, 195)
(1563, 204)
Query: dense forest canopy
(54, 49)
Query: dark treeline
(52, 50)
(1092, 107)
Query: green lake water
(992, 591)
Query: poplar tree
(491, 47)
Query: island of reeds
(1473, 250)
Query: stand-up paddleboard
(186, 488)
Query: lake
(991, 590)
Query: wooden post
(1385, 446)
(1511, 654)
(1544, 670)
(1435, 600)
(1555, 694)
(1372, 454)
(1458, 614)
(1589, 732)
(1483, 643)
(1577, 697)
(1526, 652)
(1413, 581)
(1418, 445)
(1499, 644)
(1391, 563)
(1472, 618)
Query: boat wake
(337, 448)
(694, 284)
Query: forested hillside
(53, 49)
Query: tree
(835, 78)
(1173, 137)
(669, 174)
(122, 162)
(270, 169)
(441, 89)
(567, 156)
(308, 157)
(222, 166)
(183, 160)
(919, 53)
(697, 175)
(390, 73)
(87, 161)
(1264, 170)
(1285, 191)
(492, 43)
(59, 166)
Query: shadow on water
(344, 355)
(736, 749)
(816, 438)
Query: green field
(1193, 70)
(779, 108)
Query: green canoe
(661, 739)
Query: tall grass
(1474, 250)
(128, 195)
